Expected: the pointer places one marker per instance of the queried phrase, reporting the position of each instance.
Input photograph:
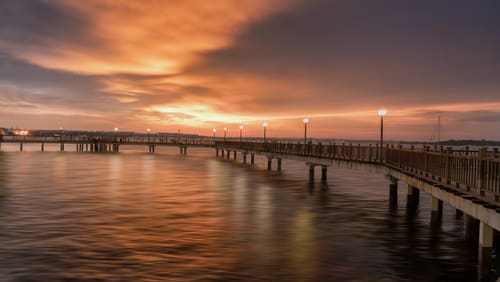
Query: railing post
(411, 157)
(449, 156)
(369, 153)
(400, 147)
(384, 155)
(426, 165)
(358, 155)
(482, 171)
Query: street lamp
(306, 121)
(214, 130)
(382, 113)
(225, 131)
(149, 131)
(241, 132)
(265, 127)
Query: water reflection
(154, 217)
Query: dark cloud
(36, 21)
(387, 52)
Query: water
(135, 216)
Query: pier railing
(472, 171)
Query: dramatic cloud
(202, 64)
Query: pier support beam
(279, 164)
(437, 210)
(393, 192)
(311, 173)
(228, 154)
(269, 163)
(216, 152)
(471, 230)
(21, 146)
(485, 247)
(244, 157)
(324, 169)
(252, 159)
(234, 155)
(62, 147)
(42, 147)
(412, 199)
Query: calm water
(135, 216)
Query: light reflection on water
(135, 216)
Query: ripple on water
(154, 217)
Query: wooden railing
(476, 172)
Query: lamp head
(264, 124)
(149, 129)
(306, 120)
(382, 112)
(241, 126)
(214, 130)
(115, 129)
(225, 128)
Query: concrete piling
(269, 163)
(279, 165)
(485, 247)
(324, 174)
(311, 173)
(393, 192)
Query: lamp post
(241, 133)
(116, 130)
(225, 131)
(306, 121)
(382, 113)
(265, 128)
(214, 130)
(149, 131)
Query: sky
(195, 65)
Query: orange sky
(196, 65)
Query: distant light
(306, 120)
(225, 128)
(264, 124)
(214, 130)
(241, 126)
(382, 112)
(149, 129)
(60, 128)
(116, 129)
